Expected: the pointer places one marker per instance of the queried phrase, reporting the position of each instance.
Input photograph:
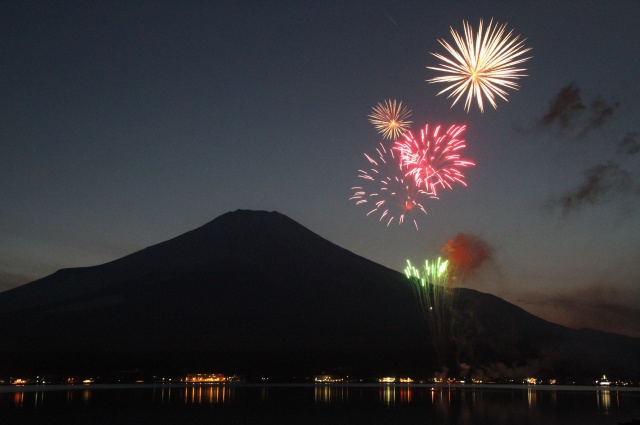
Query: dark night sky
(123, 124)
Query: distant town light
(604, 382)
(205, 378)
(325, 379)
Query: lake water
(317, 404)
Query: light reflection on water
(604, 400)
(466, 405)
(199, 394)
(18, 399)
(84, 395)
(388, 394)
(532, 396)
(405, 394)
(323, 393)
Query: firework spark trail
(436, 301)
(481, 66)
(387, 192)
(431, 283)
(433, 160)
(390, 119)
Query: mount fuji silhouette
(254, 292)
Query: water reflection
(330, 393)
(604, 400)
(18, 399)
(388, 395)
(202, 395)
(532, 396)
(405, 394)
(163, 394)
(476, 396)
(460, 405)
(443, 397)
(85, 397)
(39, 397)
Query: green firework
(431, 284)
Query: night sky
(124, 124)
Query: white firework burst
(481, 66)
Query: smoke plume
(467, 252)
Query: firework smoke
(467, 252)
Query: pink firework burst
(433, 160)
(387, 192)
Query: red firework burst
(387, 192)
(434, 159)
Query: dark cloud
(601, 112)
(568, 112)
(601, 182)
(629, 144)
(564, 107)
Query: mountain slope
(256, 292)
(245, 282)
(500, 339)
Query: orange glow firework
(467, 252)
(390, 119)
(482, 65)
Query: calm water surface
(317, 404)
